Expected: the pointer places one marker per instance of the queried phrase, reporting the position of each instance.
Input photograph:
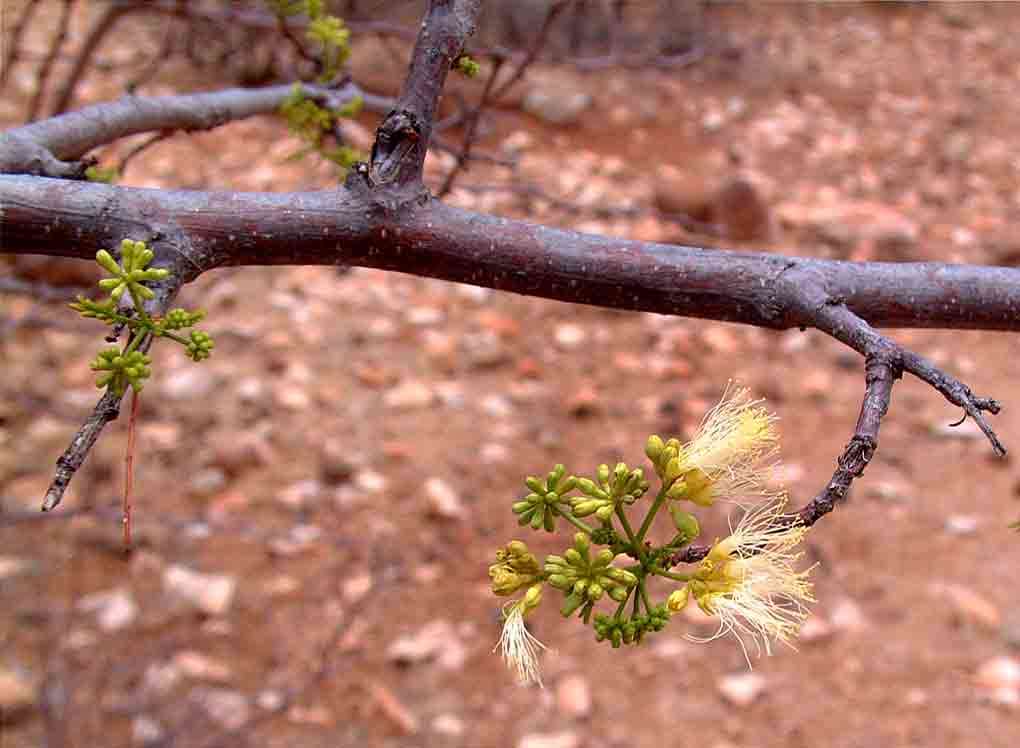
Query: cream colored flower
(749, 580)
(519, 648)
(729, 456)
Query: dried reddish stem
(129, 469)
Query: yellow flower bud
(678, 599)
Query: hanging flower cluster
(748, 580)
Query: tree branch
(384, 218)
(51, 147)
(346, 227)
(398, 156)
(885, 362)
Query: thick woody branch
(349, 227)
(398, 156)
(53, 146)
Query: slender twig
(93, 40)
(43, 76)
(470, 130)
(157, 60)
(13, 41)
(534, 50)
(285, 30)
(140, 149)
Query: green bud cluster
(666, 456)
(130, 366)
(121, 369)
(200, 345)
(467, 66)
(586, 578)
(101, 175)
(101, 310)
(178, 319)
(131, 272)
(618, 630)
(606, 535)
(601, 497)
(334, 40)
(539, 508)
(324, 29)
(313, 124)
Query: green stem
(621, 606)
(635, 543)
(572, 520)
(136, 339)
(139, 305)
(644, 595)
(178, 338)
(656, 505)
(671, 575)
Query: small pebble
(741, 689)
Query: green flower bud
(686, 524)
(106, 261)
(534, 484)
(559, 581)
(616, 638)
(584, 508)
(653, 447)
(674, 469)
